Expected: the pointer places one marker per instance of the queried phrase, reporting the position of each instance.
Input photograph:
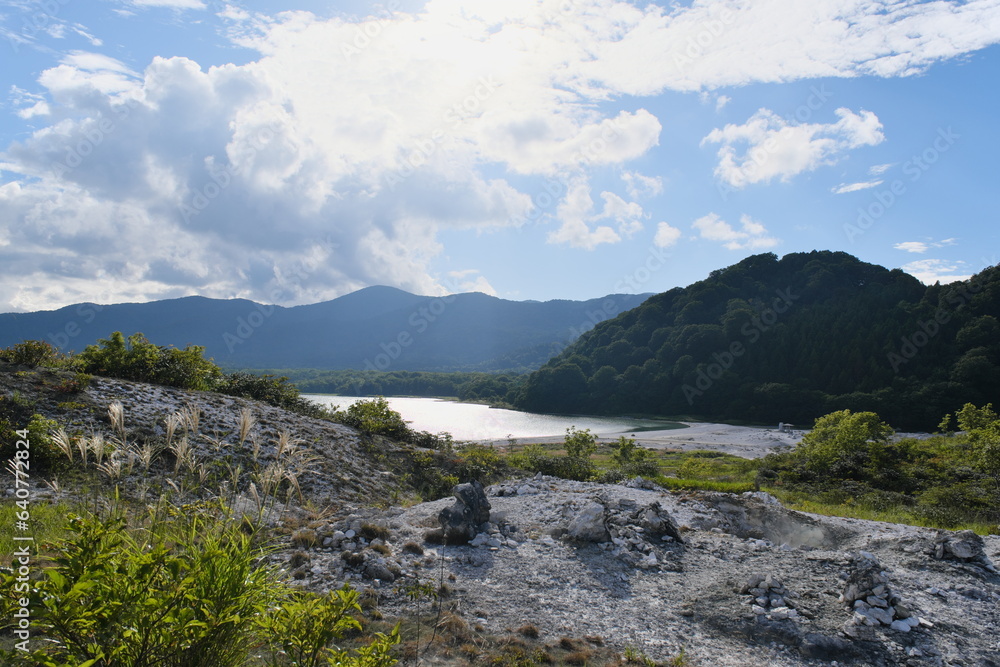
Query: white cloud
(638, 185)
(468, 280)
(666, 236)
(751, 236)
(721, 101)
(922, 247)
(579, 220)
(912, 246)
(879, 169)
(844, 188)
(774, 147)
(930, 271)
(172, 4)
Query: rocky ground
(744, 582)
(721, 579)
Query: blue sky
(293, 152)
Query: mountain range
(376, 328)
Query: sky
(292, 152)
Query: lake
(469, 421)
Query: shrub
(277, 391)
(375, 416)
(304, 625)
(579, 444)
(182, 592)
(846, 444)
(481, 462)
(140, 360)
(534, 459)
(43, 452)
(31, 353)
(188, 589)
(625, 452)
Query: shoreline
(749, 442)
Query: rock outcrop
(461, 522)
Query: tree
(580, 444)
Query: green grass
(813, 503)
(47, 524)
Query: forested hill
(771, 340)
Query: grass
(47, 525)
(806, 502)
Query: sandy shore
(747, 441)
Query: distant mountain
(771, 340)
(378, 327)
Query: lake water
(468, 421)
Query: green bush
(42, 452)
(482, 463)
(139, 360)
(32, 353)
(846, 444)
(277, 391)
(375, 416)
(534, 459)
(626, 452)
(183, 590)
(579, 444)
(305, 625)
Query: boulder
(962, 545)
(462, 521)
(589, 524)
(657, 523)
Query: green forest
(769, 340)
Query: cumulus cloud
(774, 147)
(638, 185)
(666, 236)
(752, 235)
(580, 226)
(930, 271)
(469, 280)
(922, 246)
(359, 140)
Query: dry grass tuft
(529, 630)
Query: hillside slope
(773, 340)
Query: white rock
(588, 525)
(782, 613)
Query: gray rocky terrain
(744, 582)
